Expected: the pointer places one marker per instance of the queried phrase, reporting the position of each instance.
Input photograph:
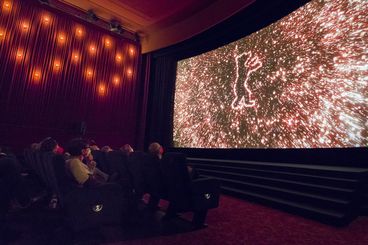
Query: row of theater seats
(113, 203)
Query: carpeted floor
(234, 222)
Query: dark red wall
(54, 102)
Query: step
(304, 168)
(323, 215)
(315, 199)
(326, 180)
(364, 209)
(277, 182)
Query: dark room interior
(176, 122)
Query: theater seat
(185, 194)
(94, 207)
(117, 163)
(90, 207)
(135, 164)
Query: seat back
(88, 207)
(117, 163)
(33, 161)
(119, 171)
(65, 183)
(6, 183)
(183, 193)
(153, 176)
(177, 180)
(135, 164)
(95, 207)
(100, 158)
(48, 171)
(30, 161)
(206, 193)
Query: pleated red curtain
(56, 71)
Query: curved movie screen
(301, 82)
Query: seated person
(152, 174)
(34, 147)
(156, 150)
(127, 149)
(50, 145)
(93, 145)
(89, 161)
(106, 149)
(84, 174)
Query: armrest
(95, 206)
(206, 193)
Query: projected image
(301, 82)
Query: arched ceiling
(161, 23)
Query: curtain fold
(161, 101)
(56, 71)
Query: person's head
(106, 148)
(127, 149)
(35, 146)
(48, 145)
(156, 149)
(93, 145)
(78, 148)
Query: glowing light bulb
(118, 57)
(36, 75)
(61, 38)
(107, 42)
(116, 80)
(2, 35)
(25, 26)
(7, 6)
(46, 19)
(75, 57)
(79, 32)
(89, 73)
(19, 54)
(131, 51)
(102, 89)
(92, 49)
(57, 65)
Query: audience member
(152, 174)
(106, 149)
(50, 145)
(35, 147)
(127, 149)
(93, 145)
(156, 150)
(83, 174)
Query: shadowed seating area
(251, 224)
